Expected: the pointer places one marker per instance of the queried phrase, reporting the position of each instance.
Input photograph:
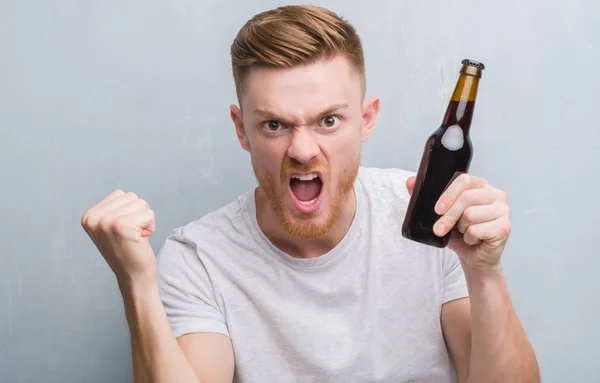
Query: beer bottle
(447, 153)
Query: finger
(92, 211)
(469, 197)
(150, 228)
(455, 188)
(133, 225)
(410, 184)
(481, 213)
(136, 207)
(117, 193)
(129, 208)
(117, 203)
(107, 213)
(493, 232)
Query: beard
(306, 225)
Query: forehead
(303, 89)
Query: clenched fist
(119, 226)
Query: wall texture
(134, 94)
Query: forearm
(500, 349)
(157, 357)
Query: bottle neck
(461, 106)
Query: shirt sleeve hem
(180, 330)
(456, 293)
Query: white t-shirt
(367, 311)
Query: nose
(303, 146)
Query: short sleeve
(186, 290)
(455, 284)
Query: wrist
(135, 288)
(486, 274)
(487, 289)
(485, 282)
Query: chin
(308, 225)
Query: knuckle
(118, 226)
(84, 219)
(506, 228)
(104, 224)
(467, 196)
(466, 179)
(501, 195)
(450, 220)
(144, 204)
(469, 214)
(90, 223)
(462, 226)
(89, 220)
(471, 232)
(131, 195)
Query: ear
(236, 117)
(370, 109)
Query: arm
(500, 350)
(119, 226)
(156, 354)
(456, 326)
(484, 334)
(210, 354)
(159, 357)
(485, 337)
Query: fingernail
(439, 228)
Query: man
(307, 278)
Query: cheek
(343, 150)
(267, 155)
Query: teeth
(308, 203)
(306, 177)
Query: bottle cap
(474, 63)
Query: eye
(330, 122)
(272, 126)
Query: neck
(299, 247)
(462, 103)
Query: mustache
(293, 165)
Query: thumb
(141, 222)
(150, 227)
(410, 184)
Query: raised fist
(119, 226)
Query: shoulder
(214, 230)
(385, 184)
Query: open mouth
(306, 191)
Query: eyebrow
(270, 115)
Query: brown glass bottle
(447, 151)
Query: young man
(307, 278)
